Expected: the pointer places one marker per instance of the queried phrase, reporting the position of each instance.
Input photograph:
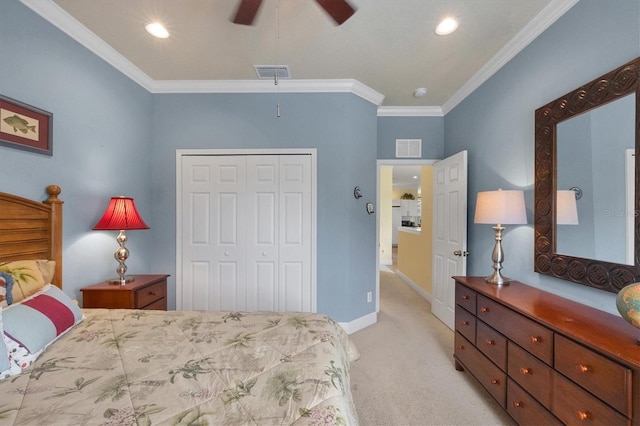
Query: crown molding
(57, 16)
(267, 86)
(410, 111)
(543, 20)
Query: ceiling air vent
(408, 148)
(269, 71)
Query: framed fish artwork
(25, 127)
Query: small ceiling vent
(269, 71)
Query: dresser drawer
(530, 335)
(147, 295)
(490, 377)
(532, 374)
(465, 324)
(524, 408)
(604, 378)
(466, 298)
(575, 406)
(492, 344)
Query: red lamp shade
(121, 214)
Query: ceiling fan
(339, 10)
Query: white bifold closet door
(246, 233)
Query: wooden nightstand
(145, 292)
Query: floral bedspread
(125, 367)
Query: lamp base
(118, 281)
(497, 279)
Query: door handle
(461, 253)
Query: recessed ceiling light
(420, 92)
(156, 29)
(447, 26)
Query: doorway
(384, 238)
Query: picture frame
(25, 127)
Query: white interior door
(246, 233)
(449, 233)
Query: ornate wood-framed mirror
(610, 92)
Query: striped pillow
(33, 324)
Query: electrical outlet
(369, 297)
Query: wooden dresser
(545, 359)
(145, 292)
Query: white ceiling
(385, 51)
(406, 177)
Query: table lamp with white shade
(500, 208)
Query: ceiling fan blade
(246, 13)
(340, 10)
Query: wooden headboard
(32, 229)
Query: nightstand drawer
(144, 292)
(150, 294)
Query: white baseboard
(359, 323)
(372, 318)
(414, 286)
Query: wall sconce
(356, 193)
(121, 215)
(502, 208)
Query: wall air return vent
(408, 148)
(268, 72)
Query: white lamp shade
(566, 208)
(501, 207)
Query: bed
(120, 367)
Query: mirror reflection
(595, 157)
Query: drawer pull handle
(495, 381)
(536, 339)
(583, 368)
(465, 323)
(489, 342)
(461, 347)
(525, 370)
(518, 404)
(465, 297)
(583, 415)
(484, 309)
(152, 293)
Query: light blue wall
(496, 125)
(101, 141)
(343, 129)
(112, 138)
(429, 129)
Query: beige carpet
(406, 374)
